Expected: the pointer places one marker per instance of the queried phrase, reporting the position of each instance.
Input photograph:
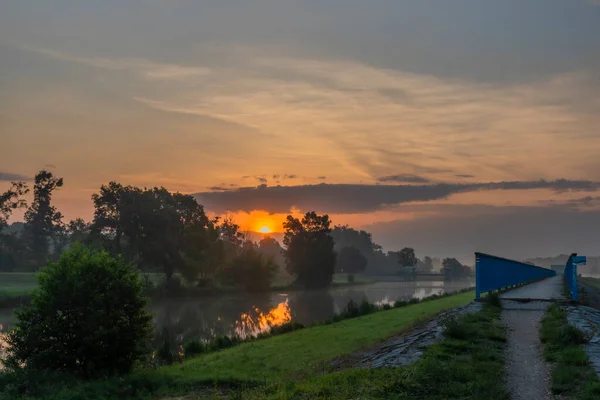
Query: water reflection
(241, 315)
(251, 324)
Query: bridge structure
(500, 274)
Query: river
(243, 315)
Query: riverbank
(259, 365)
(16, 287)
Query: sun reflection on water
(251, 324)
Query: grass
(301, 352)
(469, 364)
(572, 374)
(593, 282)
(270, 363)
(17, 283)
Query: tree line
(160, 231)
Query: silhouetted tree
(425, 265)
(270, 247)
(107, 214)
(12, 247)
(452, 268)
(309, 252)
(351, 260)
(407, 257)
(12, 200)
(249, 270)
(345, 236)
(78, 230)
(42, 219)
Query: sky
(448, 126)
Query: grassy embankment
(468, 365)
(593, 282)
(572, 374)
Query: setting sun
(264, 229)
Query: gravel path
(527, 374)
(405, 349)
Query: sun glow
(264, 229)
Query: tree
(452, 268)
(42, 219)
(11, 200)
(271, 248)
(309, 249)
(12, 251)
(426, 265)
(351, 260)
(407, 257)
(108, 204)
(78, 230)
(250, 270)
(88, 317)
(344, 236)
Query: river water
(244, 315)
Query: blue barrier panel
(495, 273)
(571, 273)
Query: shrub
(454, 329)
(87, 317)
(285, 328)
(193, 348)
(400, 303)
(493, 299)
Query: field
(16, 284)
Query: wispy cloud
(147, 69)
(341, 111)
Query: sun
(264, 229)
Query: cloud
(464, 176)
(360, 198)
(49, 165)
(403, 178)
(148, 69)
(337, 114)
(9, 177)
(578, 203)
(322, 178)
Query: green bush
(193, 348)
(493, 299)
(87, 317)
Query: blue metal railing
(571, 273)
(495, 273)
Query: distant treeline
(160, 231)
